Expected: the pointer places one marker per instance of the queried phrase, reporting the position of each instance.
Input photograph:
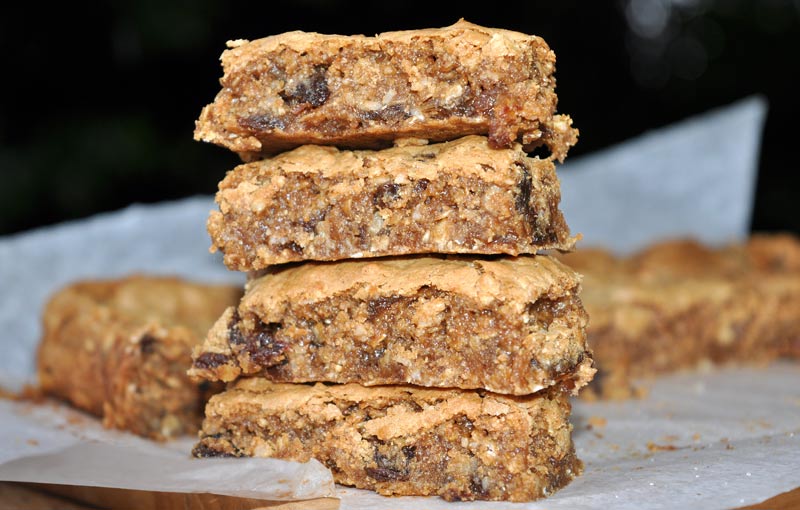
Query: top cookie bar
(364, 92)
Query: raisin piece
(477, 486)
(261, 122)
(292, 247)
(421, 185)
(209, 360)
(379, 305)
(202, 451)
(523, 201)
(313, 90)
(425, 156)
(385, 194)
(147, 344)
(386, 474)
(263, 346)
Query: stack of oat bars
(397, 324)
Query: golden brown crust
(321, 203)
(302, 88)
(120, 348)
(679, 304)
(402, 440)
(509, 325)
(509, 281)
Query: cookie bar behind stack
(402, 440)
(120, 348)
(508, 325)
(680, 304)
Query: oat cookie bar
(679, 304)
(402, 440)
(508, 325)
(322, 203)
(355, 91)
(120, 349)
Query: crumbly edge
(460, 445)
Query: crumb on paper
(75, 420)
(29, 393)
(753, 425)
(32, 442)
(597, 422)
(696, 437)
(653, 447)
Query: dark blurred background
(99, 99)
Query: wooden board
(789, 500)
(18, 496)
(125, 499)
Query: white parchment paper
(695, 178)
(49, 443)
(713, 440)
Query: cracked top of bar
(322, 203)
(356, 91)
(516, 281)
(510, 325)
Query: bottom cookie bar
(120, 349)
(402, 440)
